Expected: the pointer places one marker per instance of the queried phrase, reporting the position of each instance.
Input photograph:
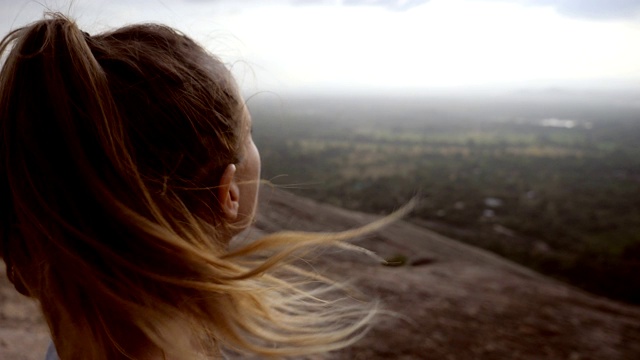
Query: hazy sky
(377, 45)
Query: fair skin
(238, 189)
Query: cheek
(250, 179)
(254, 161)
(259, 162)
(256, 173)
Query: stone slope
(458, 302)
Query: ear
(229, 193)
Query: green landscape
(550, 180)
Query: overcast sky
(388, 45)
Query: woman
(127, 165)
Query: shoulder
(51, 353)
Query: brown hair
(111, 148)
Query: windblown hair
(111, 147)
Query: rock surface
(450, 300)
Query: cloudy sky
(389, 45)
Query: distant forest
(552, 182)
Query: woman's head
(123, 154)
(144, 98)
(140, 108)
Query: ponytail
(62, 142)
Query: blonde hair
(111, 148)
